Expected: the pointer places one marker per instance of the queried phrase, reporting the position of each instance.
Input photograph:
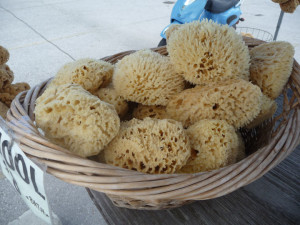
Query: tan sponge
(214, 145)
(6, 76)
(4, 55)
(268, 108)
(152, 111)
(147, 77)
(289, 6)
(149, 146)
(89, 73)
(75, 119)
(206, 51)
(110, 96)
(271, 66)
(10, 92)
(236, 101)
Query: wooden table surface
(272, 199)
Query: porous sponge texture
(147, 77)
(3, 110)
(75, 119)
(149, 146)
(89, 73)
(236, 101)
(110, 96)
(268, 108)
(289, 6)
(205, 51)
(271, 66)
(4, 55)
(10, 91)
(6, 76)
(152, 111)
(214, 145)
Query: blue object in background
(220, 11)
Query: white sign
(24, 175)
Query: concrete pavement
(42, 35)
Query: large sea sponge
(214, 144)
(89, 73)
(206, 51)
(236, 101)
(149, 146)
(147, 77)
(271, 66)
(75, 119)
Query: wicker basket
(266, 145)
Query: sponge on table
(6, 76)
(271, 66)
(149, 146)
(75, 119)
(4, 55)
(9, 92)
(89, 73)
(206, 51)
(214, 145)
(110, 96)
(236, 101)
(147, 77)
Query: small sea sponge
(89, 73)
(152, 111)
(4, 55)
(271, 66)
(147, 77)
(149, 146)
(236, 101)
(214, 145)
(6, 76)
(268, 108)
(3, 110)
(75, 119)
(206, 51)
(10, 91)
(110, 96)
(289, 6)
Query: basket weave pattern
(266, 145)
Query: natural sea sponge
(9, 92)
(206, 51)
(3, 110)
(147, 77)
(149, 146)
(236, 101)
(268, 108)
(271, 66)
(110, 96)
(6, 76)
(214, 145)
(75, 119)
(171, 29)
(89, 73)
(152, 111)
(289, 6)
(4, 55)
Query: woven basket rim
(151, 187)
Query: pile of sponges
(8, 90)
(288, 6)
(179, 113)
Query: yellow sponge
(110, 96)
(149, 146)
(268, 108)
(147, 77)
(89, 73)
(75, 119)
(236, 101)
(271, 66)
(152, 111)
(214, 145)
(206, 51)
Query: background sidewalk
(43, 35)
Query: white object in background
(26, 177)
